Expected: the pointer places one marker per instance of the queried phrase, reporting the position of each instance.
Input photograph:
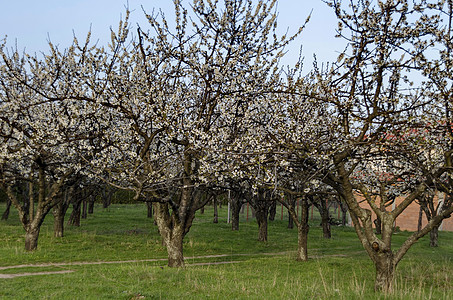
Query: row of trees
(179, 114)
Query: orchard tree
(41, 134)
(171, 96)
(437, 69)
(371, 94)
(277, 145)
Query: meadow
(117, 253)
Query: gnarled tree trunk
(261, 205)
(172, 232)
(31, 238)
(174, 244)
(385, 272)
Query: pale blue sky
(31, 22)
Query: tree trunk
(91, 204)
(58, 223)
(385, 273)
(172, 232)
(262, 227)
(235, 211)
(261, 218)
(378, 225)
(420, 219)
(434, 237)
(149, 206)
(302, 231)
(5, 214)
(290, 222)
(326, 227)
(261, 205)
(175, 250)
(106, 202)
(59, 212)
(31, 238)
(216, 213)
(74, 219)
(344, 211)
(273, 210)
(292, 202)
(106, 194)
(321, 205)
(84, 209)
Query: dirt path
(81, 263)
(7, 276)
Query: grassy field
(239, 266)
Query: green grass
(338, 269)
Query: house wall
(408, 219)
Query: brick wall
(408, 219)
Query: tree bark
(175, 251)
(216, 212)
(434, 237)
(272, 210)
(149, 206)
(84, 209)
(58, 223)
(74, 218)
(292, 202)
(378, 225)
(261, 214)
(260, 204)
(5, 214)
(420, 219)
(236, 205)
(91, 204)
(31, 238)
(261, 218)
(59, 212)
(385, 273)
(302, 232)
(290, 222)
(106, 194)
(344, 211)
(321, 205)
(172, 232)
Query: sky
(30, 23)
